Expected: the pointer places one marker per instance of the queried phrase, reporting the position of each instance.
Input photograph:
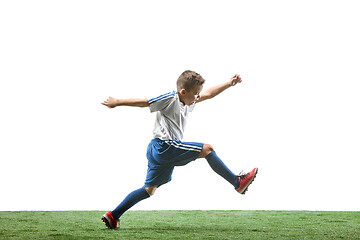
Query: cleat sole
(243, 192)
(106, 222)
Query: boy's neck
(179, 95)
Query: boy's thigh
(164, 155)
(181, 153)
(158, 176)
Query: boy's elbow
(205, 96)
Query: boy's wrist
(118, 102)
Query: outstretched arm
(133, 102)
(214, 91)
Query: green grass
(182, 225)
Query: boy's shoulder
(162, 101)
(163, 97)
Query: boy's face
(191, 96)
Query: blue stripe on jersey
(164, 96)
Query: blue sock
(131, 199)
(220, 168)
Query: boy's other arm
(112, 102)
(214, 91)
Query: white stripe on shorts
(183, 146)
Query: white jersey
(170, 117)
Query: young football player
(167, 150)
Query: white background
(295, 116)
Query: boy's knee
(209, 148)
(206, 150)
(151, 190)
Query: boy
(166, 150)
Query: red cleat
(245, 180)
(109, 220)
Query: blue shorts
(164, 155)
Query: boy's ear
(182, 91)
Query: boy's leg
(240, 183)
(218, 166)
(151, 190)
(111, 218)
(130, 200)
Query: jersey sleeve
(161, 102)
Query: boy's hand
(110, 102)
(235, 79)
